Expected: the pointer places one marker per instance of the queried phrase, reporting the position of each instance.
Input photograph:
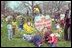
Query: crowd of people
(38, 38)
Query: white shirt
(9, 26)
(62, 16)
(58, 26)
(28, 37)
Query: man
(67, 34)
(62, 20)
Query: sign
(42, 21)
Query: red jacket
(54, 40)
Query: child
(37, 39)
(54, 39)
(62, 20)
(28, 27)
(21, 25)
(46, 32)
(58, 28)
(14, 25)
(10, 32)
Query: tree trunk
(32, 8)
(27, 13)
(69, 34)
(66, 33)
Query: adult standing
(67, 34)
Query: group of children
(13, 27)
(41, 37)
(46, 35)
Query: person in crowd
(54, 39)
(10, 31)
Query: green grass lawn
(19, 42)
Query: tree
(3, 6)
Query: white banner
(42, 21)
